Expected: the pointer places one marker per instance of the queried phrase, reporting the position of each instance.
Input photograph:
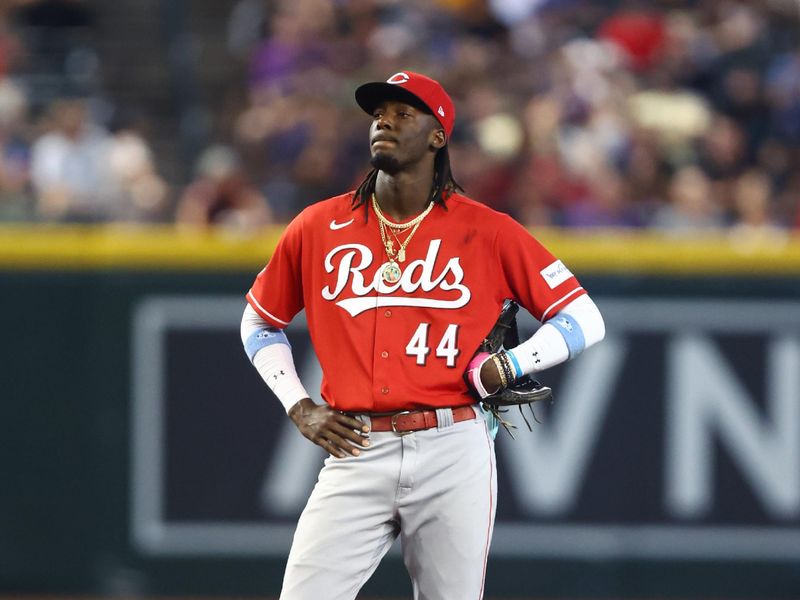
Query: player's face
(402, 135)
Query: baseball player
(401, 280)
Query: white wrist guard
(271, 355)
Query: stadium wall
(142, 455)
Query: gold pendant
(401, 255)
(391, 272)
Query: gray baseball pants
(435, 488)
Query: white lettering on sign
(707, 411)
(706, 402)
(353, 262)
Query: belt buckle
(393, 422)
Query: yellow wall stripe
(50, 247)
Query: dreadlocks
(443, 183)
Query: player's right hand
(336, 432)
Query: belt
(415, 420)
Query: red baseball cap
(407, 83)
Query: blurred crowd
(675, 115)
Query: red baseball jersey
(387, 347)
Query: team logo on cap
(398, 78)
(440, 111)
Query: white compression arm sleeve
(273, 362)
(573, 329)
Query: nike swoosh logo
(335, 225)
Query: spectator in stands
(298, 42)
(691, 207)
(137, 191)
(69, 166)
(638, 32)
(754, 219)
(220, 195)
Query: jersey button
(387, 314)
(384, 390)
(384, 354)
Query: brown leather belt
(415, 420)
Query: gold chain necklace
(391, 272)
(400, 226)
(401, 252)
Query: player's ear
(438, 139)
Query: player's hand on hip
(336, 432)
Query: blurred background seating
(676, 115)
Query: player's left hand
(336, 432)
